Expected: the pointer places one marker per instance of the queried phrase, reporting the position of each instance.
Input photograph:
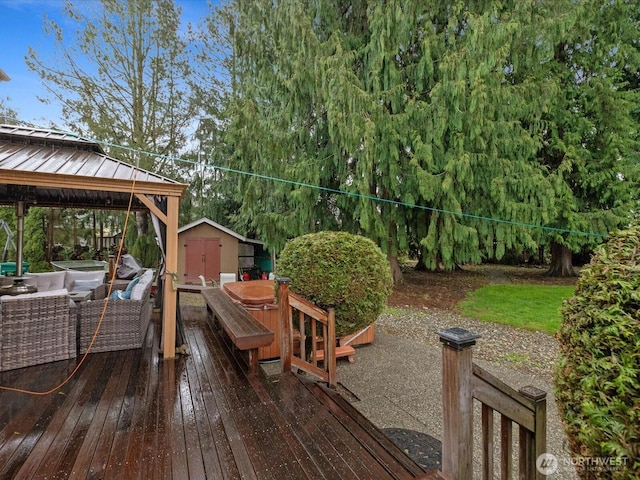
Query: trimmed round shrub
(340, 270)
(598, 378)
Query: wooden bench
(245, 332)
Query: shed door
(202, 257)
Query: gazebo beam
(152, 208)
(75, 182)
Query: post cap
(533, 393)
(458, 338)
(282, 280)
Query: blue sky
(20, 28)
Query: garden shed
(207, 248)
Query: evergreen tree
(35, 240)
(590, 145)
(406, 107)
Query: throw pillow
(120, 295)
(132, 284)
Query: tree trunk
(396, 271)
(420, 265)
(95, 233)
(561, 264)
(142, 223)
(49, 254)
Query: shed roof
(213, 224)
(51, 168)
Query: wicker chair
(124, 325)
(36, 328)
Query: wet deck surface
(132, 415)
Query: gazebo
(48, 168)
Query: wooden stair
(371, 438)
(433, 475)
(346, 351)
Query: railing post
(286, 334)
(532, 445)
(457, 403)
(330, 353)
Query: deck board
(131, 414)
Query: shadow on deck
(132, 415)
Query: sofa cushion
(46, 281)
(75, 281)
(84, 285)
(72, 280)
(144, 281)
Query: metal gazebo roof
(55, 169)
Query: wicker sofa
(36, 328)
(125, 321)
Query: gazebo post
(20, 212)
(170, 293)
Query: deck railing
(463, 381)
(315, 332)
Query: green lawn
(535, 307)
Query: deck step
(433, 475)
(346, 351)
(371, 438)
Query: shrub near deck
(340, 270)
(598, 379)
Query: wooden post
(330, 350)
(534, 444)
(170, 294)
(286, 335)
(457, 403)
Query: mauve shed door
(202, 257)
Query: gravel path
(396, 382)
(532, 352)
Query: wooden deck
(131, 415)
